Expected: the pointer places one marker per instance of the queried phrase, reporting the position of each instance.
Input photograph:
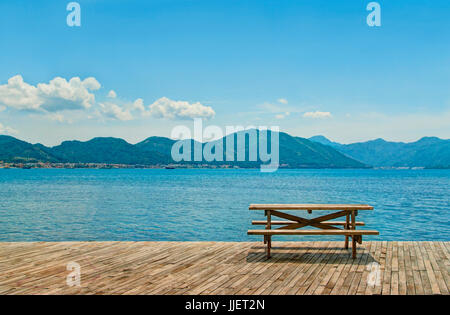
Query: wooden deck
(224, 268)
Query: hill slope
(14, 150)
(429, 152)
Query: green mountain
(104, 150)
(429, 152)
(294, 152)
(301, 152)
(14, 150)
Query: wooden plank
(312, 232)
(317, 257)
(312, 278)
(422, 269)
(298, 270)
(325, 274)
(380, 260)
(387, 275)
(338, 288)
(360, 280)
(409, 277)
(268, 227)
(367, 269)
(336, 273)
(357, 271)
(353, 227)
(415, 269)
(442, 276)
(334, 263)
(395, 270)
(429, 269)
(310, 207)
(283, 222)
(347, 227)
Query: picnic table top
(309, 207)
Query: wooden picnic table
(292, 224)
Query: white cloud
(317, 115)
(56, 117)
(58, 94)
(281, 116)
(282, 100)
(269, 107)
(112, 94)
(76, 94)
(114, 111)
(276, 108)
(169, 109)
(138, 105)
(7, 130)
(18, 94)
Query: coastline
(186, 166)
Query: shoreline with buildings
(41, 165)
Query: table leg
(347, 226)
(268, 227)
(353, 237)
(265, 236)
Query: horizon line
(156, 136)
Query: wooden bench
(292, 223)
(284, 222)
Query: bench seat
(262, 222)
(313, 232)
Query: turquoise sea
(208, 204)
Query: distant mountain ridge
(428, 152)
(294, 152)
(324, 140)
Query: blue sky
(310, 67)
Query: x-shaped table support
(316, 222)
